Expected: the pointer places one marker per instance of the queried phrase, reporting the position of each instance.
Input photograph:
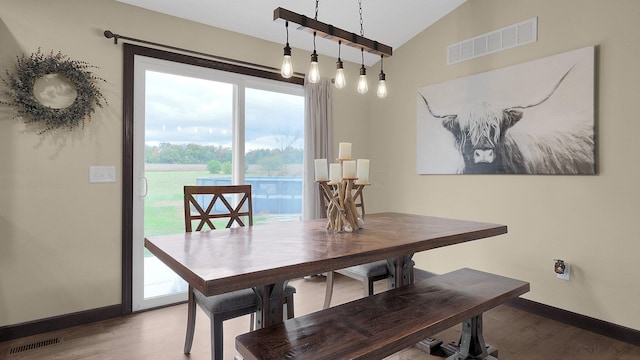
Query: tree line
(167, 153)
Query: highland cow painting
(532, 118)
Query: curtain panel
(318, 129)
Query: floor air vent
(35, 345)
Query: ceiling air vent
(508, 37)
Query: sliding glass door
(198, 126)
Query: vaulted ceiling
(390, 22)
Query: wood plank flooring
(159, 334)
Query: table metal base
(270, 301)
(470, 347)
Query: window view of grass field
(164, 207)
(189, 125)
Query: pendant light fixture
(287, 67)
(340, 81)
(363, 87)
(334, 33)
(382, 84)
(314, 72)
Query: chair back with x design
(206, 203)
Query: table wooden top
(224, 260)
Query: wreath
(31, 69)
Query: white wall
(589, 221)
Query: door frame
(130, 51)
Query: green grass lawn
(163, 204)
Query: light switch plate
(102, 174)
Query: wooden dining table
(265, 257)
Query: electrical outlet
(567, 273)
(102, 174)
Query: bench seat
(380, 325)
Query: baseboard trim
(36, 327)
(607, 329)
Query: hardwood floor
(159, 334)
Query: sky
(181, 110)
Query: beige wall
(60, 236)
(589, 221)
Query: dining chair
(365, 273)
(211, 207)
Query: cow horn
(429, 108)
(548, 96)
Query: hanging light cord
(314, 41)
(339, 43)
(361, 34)
(314, 33)
(286, 26)
(361, 23)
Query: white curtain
(318, 129)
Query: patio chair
(205, 204)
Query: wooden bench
(385, 323)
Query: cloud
(181, 110)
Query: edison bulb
(314, 72)
(341, 81)
(363, 87)
(287, 67)
(382, 87)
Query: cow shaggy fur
(566, 151)
(494, 139)
(563, 145)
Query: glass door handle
(144, 187)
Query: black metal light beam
(332, 33)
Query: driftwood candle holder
(342, 213)
(340, 189)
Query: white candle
(363, 171)
(321, 169)
(344, 151)
(334, 173)
(349, 169)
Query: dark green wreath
(30, 69)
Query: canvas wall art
(532, 118)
